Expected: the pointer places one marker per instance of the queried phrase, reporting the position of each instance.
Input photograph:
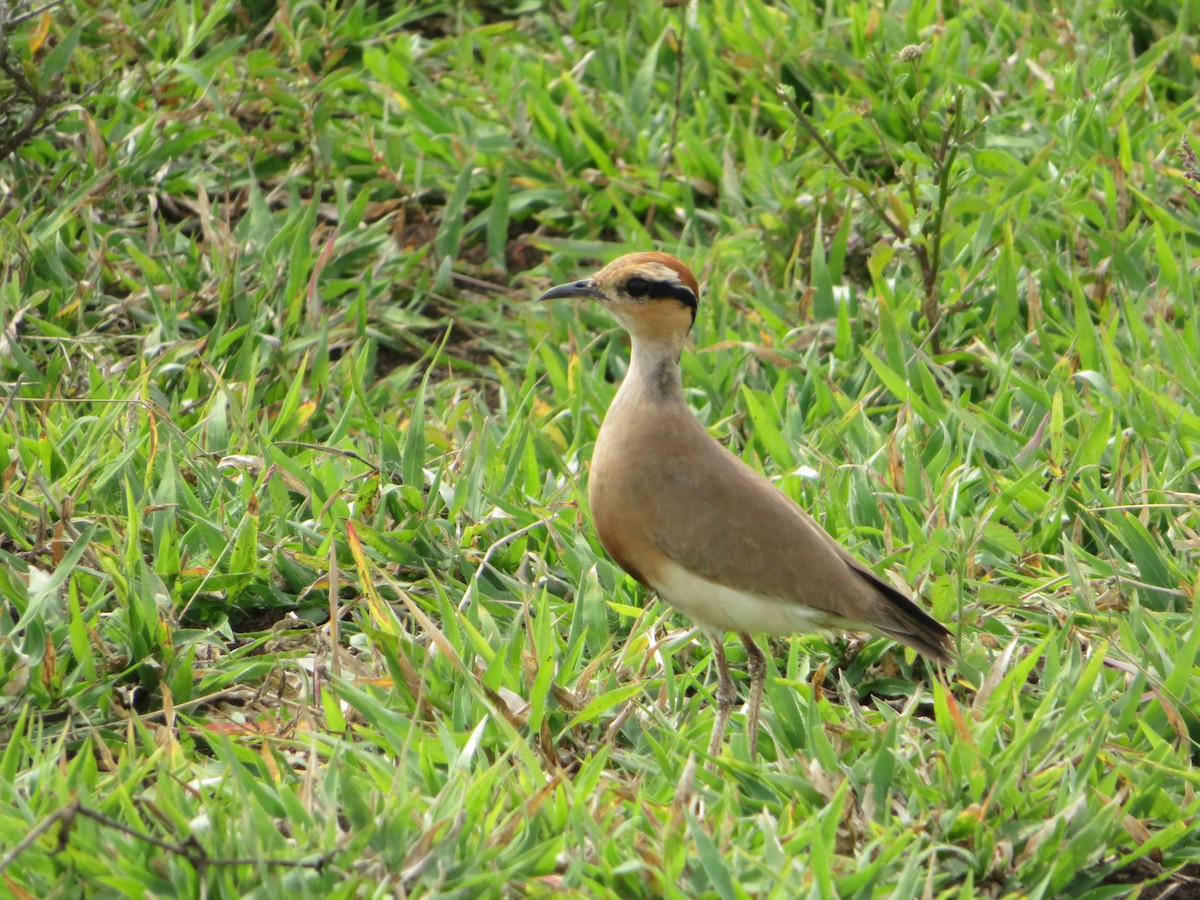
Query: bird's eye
(637, 287)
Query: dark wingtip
(908, 623)
(932, 646)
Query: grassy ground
(300, 591)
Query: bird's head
(652, 295)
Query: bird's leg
(726, 696)
(757, 664)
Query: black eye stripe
(683, 295)
(640, 288)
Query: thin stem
(807, 125)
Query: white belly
(717, 606)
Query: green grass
(270, 353)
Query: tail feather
(903, 620)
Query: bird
(711, 535)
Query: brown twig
(190, 848)
(927, 249)
(27, 103)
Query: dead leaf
(40, 32)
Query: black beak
(575, 289)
